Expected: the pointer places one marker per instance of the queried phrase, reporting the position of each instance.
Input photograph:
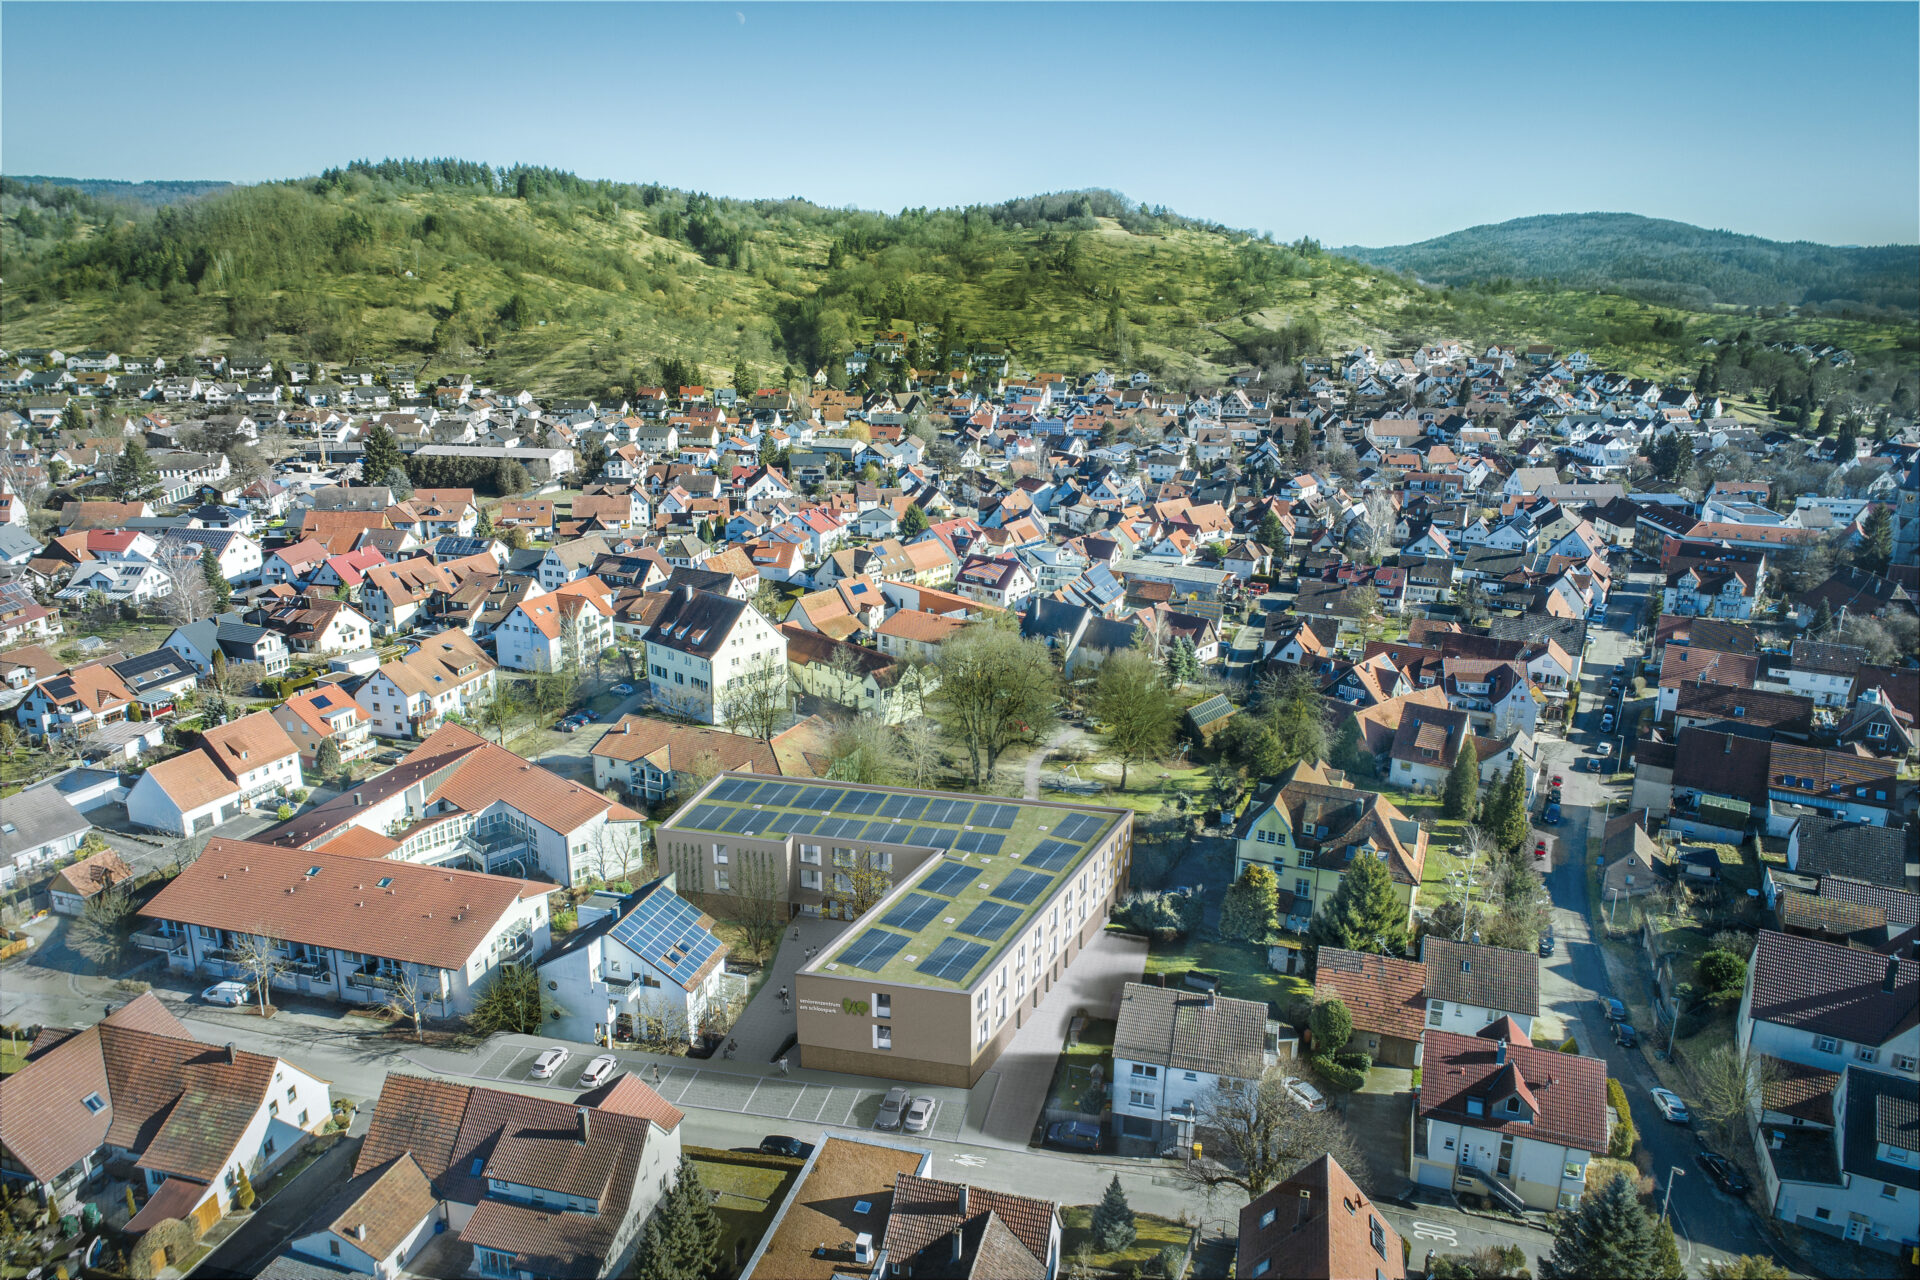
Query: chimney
(1500, 1054)
(959, 1244)
(1210, 999)
(359, 1231)
(581, 1135)
(1893, 974)
(228, 1052)
(963, 1200)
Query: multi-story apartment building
(705, 649)
(410, 697)
(967, 909)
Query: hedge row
(1341, 1073)
(1623, 1139)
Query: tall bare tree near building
(760, 892)
(920, 757)
(864, 881)
(996, 690)
(189, 598)
(104, 932)
(863, 749)
(756, 700)
(1266, 1138)
(619, 851)
(260, 956)
(411, 996)
(1733, 1082)
(1139, 713)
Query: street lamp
(1613, 905)
(1673, 1171)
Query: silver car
(892, 1107)
(920, 1114)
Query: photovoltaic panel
(894, 806)
(870, 802)
(734, 789)
(803, 823)
(954, 811)
(1051, 855)
(1077, 827)
(949, 878)
(1021, 886)
(915, 912)
(846, 802)
(931, 837)
(978, 842)
(989, 920)
(705, 817)
(952, 960)
(833, 828)
(778, 822)
(741, 820)
(997, 816)
(665, 929)
(872, 949)
(817, 798)
(780, 794)
(887, 832)
(913, 809)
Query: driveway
(266, 1231)
(1019, 1078)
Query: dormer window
(1513, 1106)
(1475, 1107)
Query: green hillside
(538, 278)
(1665, 262)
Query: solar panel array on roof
(952, 960)
(778, 795)
(954, 811)
(932, 837)
(989, 920)
(1051, 855)
(733, 789)
(706, 817)
(978, 842)
(908, 808)
(1077, 827)
(997, 816)
(817, 798)
(872, 949)
(949, 878)
(665, 930)
(1022, 886)
(914, 912)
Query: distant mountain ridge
(1664, 261)
(149, 194)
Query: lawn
(1072, 1085)
(1146, 789)
(1442, 834)
(13, 1056)
(1242, 970)
(1155, 1233)
(748, 1191)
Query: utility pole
(1673, 1171)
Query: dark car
(1722, 1171)
(1546, 944)
(1553, 813)
(1625, 1036)
(1616, 1012)
(775, 1144)
(1080, 1135)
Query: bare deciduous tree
(920, 752)
(1265, 1137)
(618, 850)
(260, 955)
(1732, 1084)
(759, 900)
(755, 701)
(189, 598)
(411, 995)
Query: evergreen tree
(1846, 446)
(1876, 540)
(135, 478)
(1463, 781)
(742, 378)
(73, 418)
(216, 581)
(1273, 534)
(1349, 753)
(1510, 825)
(380, 454)
(654, 1260)
(483, 526)
(1611, 1235)
(1332, 1025)
(1365, 913)
(243, 1195)
(1113, 1227)
(692, 1228)
(1823, 620)
(914, 522)
(1298, 718)
(1251, 909)
(326, 757)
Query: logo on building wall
(858, 1008)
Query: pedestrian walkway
(764, 1026)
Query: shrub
(300, 795)
(1332, 1026)
(1570, 1045)
(284, 812)
(1335, 1074)
(1624, 1137)
(1170, 1260)
(1639, 685)
(1603, 1169)
(1721, 972)
(1361, 1062)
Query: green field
(1241, 968)
(1155, 1233)
(748, 1191)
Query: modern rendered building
(987, 901)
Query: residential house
(234, 763)
(232, 640)
(706, 652)
(644, 965)
(651, 759)
(38, 827)
(413, 695)
(78, 883)
(323, 714)
(1294, 1231)
(1310, 823)
(1385, 997)
(1470, 985)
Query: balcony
(499, 848)
(171, 944)
(372, 979)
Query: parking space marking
(774, 1098)
(683, 1076)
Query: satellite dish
(1753, 893)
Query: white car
(1306, 1095)
(227, 993)
(598, 1070)
(548, 1063)
(919, 1116)
(623, 687)
(1670, 1106)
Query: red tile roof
(1568, 1091)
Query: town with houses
(456, 831)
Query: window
(268, 1147)
(303, 1119)
(1513, 1106)
(720, 880)
(1260, 1268)
(1266, 1219)
(1475, 1107)
(1191, 1077)
(273, 1108)
(1377, 1234)
(1449, 1145)
(882, 1037)
(1823, 1213)
(1889, 1192)
(1867, 1053)
(1437, 1013)
(1903, 1062)
(1826, 1044)
(1141, 1097)
(94, 1102)
(882, 1005)
(1142, 1069)
(290, 1093)
(333, 1247)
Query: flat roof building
(966, 909)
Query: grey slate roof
(1490, 977)
(1880, 1108)
(1186, 1031)
(35, 817)
(1830, 847)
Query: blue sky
(1358, 124)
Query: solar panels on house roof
(952, 960)
(665, 931)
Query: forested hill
(151, 194)
(1664, 261)
(535, 277)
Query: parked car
(227, 993)
(598, 1070)
(1625, 1036)
(623, 688)
(1306, 1095)
(1670, 1106)
(548, 1064)
(919, 1117)
(1723, 1172)
(891, 1108)
(1079, 1135)
(1540, 849)
(1552, 815)
(1558, 781)
(566, 726)
(776, 1144)
(1616, 1012)
(1606, 722)
(1546, 944)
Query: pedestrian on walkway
(731, 1046)
(656, 1073)
(796, 933)
(782, 1064)
(785, 1002)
